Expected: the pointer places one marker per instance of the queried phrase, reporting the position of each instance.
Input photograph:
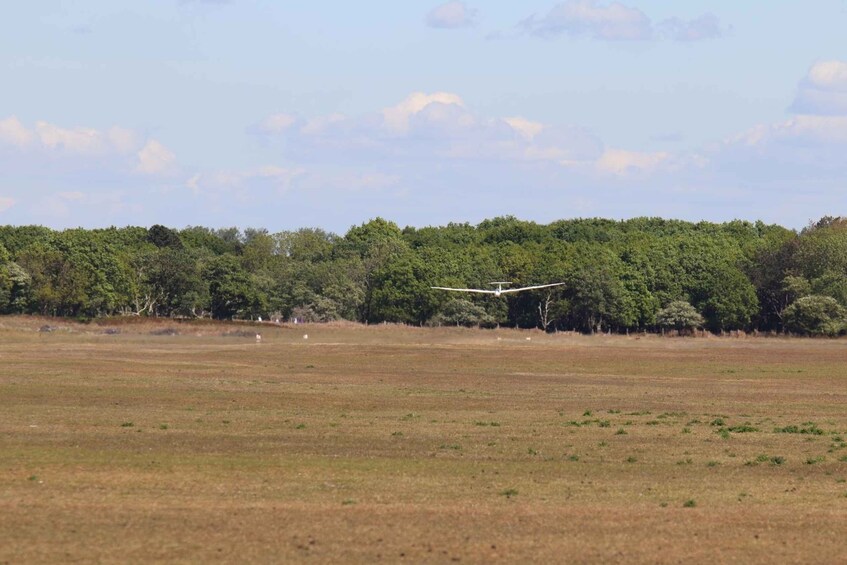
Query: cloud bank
(429, 127)
(823, 91)
(616, 22)
(116, 147)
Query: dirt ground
(351, 444)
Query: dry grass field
(417, 445)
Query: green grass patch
(807, 428)
(742, 428)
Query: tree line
(642, 274)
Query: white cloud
(614, 22)
(831, 75)
(6, 203)
(707, 26)
(319, 125)
(432, 127)
(801, 155)
(277, 123)
(82, 150)
(123, 140)
(154, 158)
(193, 183)
(13, 132)
(802, 129)
(82, 141)
(451, 15)
(524, 127)
(620, 162)
(397, 117)
(240, 182)
(824, 90)
(87, 142)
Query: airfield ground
(421, 445)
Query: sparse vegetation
(807, 428)
(408, 446)
(742, 428)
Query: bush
(461, 312)
(679, 315)
(815, 315)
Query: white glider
(499, 290)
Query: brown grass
(424, 445)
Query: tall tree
(230, 290)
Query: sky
(281, 114)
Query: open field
(420, 445)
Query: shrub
(815, 315)
(461, 312)
(679, 315)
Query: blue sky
(265, 113)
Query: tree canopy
(631, 275)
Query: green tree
(198, 237)
(307, 244)
(15, 286)
(17, 238)
(160, 236)
(168, 282)
(597, 299)
(401, 291)
(58, 286)
(230, 290)
(376, 243)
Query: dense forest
(643, 274)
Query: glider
(499, 290)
